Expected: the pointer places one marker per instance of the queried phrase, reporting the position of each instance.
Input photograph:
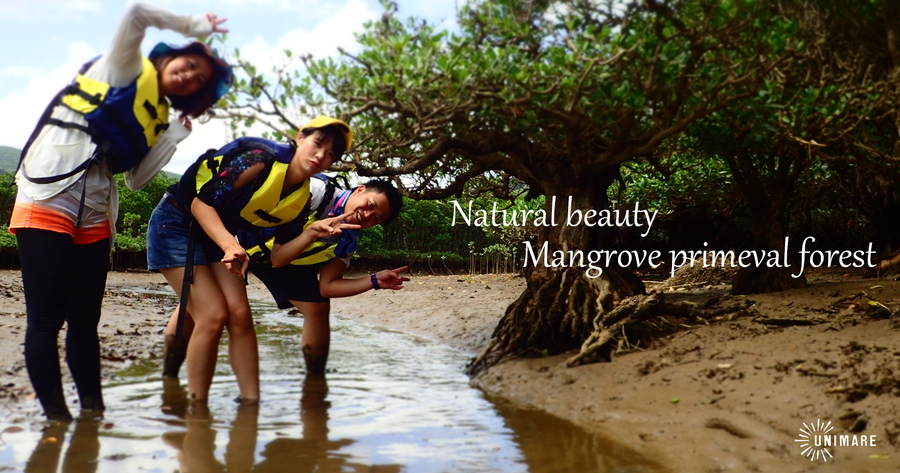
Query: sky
(46, 41)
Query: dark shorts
(167, 238)
(290, 283)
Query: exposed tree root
(563, 310)
(554, 314)
(640, 320)
(889, 266)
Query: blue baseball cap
(222, 74)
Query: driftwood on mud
(781, 322)
(644, 318)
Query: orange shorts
(30, 215)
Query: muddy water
(390, 403)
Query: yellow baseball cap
(322, 121)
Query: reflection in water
(395, 403)
(197, 446)
(551, 444)
(81, 453)
(313, 452)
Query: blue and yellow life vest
(266, 208)
(323, 249)
(123, 122)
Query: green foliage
(436, 260)
(7, 240)
(540, 96)
(135, 208)
(424, 227)
(8, 192)
(553, 97)
(9, 159)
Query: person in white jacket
(114, 118)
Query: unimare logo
(815, 440)
(813, 449)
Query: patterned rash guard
(221, 190)
(221, 194)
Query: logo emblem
(814, 449)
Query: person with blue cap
(113, 118)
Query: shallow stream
(392, 402)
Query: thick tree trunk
(768, 235)
(876, 198)
(890, 11)
(557, 310)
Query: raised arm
(125, 50)
(124, 55)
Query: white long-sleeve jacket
(58, 150)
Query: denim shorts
(167, 238)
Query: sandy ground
(728, 396)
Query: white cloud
(309, 8)
(22, 111)
(18, 71)
(204, 136)
(41, 8)
(331, 33)
(323, 40)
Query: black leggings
(64, 282)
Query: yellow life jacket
(124, 122)
(319, 251)
(130, 117)
(266, 207)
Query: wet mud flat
(736, 393)
(391, 402)
(717, 395)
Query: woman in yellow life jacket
(303, 265)
(249, 185)
(113, 118)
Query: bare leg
(240, 453)
(210, 313)
(243, 351)
(316, 337)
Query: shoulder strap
(40, 125)
(45, 117)
(230, 154)
(331, 185)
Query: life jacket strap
(40, 125)
(263, 255)
(95, 100)
(90, 162)
(71, 125)
(94, 159)
(150, 109)
(186, 283)
(266, 216)
(314, 251)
